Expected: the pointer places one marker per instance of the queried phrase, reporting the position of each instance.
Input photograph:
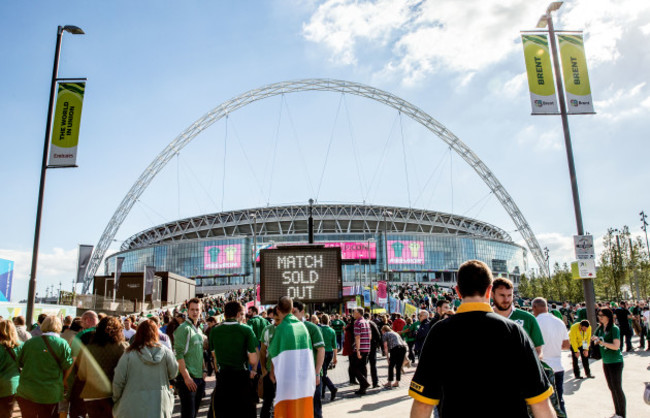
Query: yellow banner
(409, 310)
(540, 74)
(574, 72)
(65, 130)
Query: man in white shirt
(128, 331)
(556, 339)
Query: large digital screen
(405, 252)
(6, 279)
(358, 250)
(309, 274)
(222, 257)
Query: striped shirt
(362, 329)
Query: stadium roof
(328, 219)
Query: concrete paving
(583, 398)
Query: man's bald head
(89, 319)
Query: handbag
(594, 350)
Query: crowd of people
(133, 366)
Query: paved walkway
(583, 398)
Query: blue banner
(366, 297)
(6, 279)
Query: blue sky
(154, 67)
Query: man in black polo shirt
(622, 316)
(460, 376)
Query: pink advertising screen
(361, 250)
(355, 250)
(405, 252)
(222, 256)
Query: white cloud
(531, 137)
(605, 24)
(427, 37)
(560, 247)
(58, 266)
(624, 103)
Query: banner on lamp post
(118, 271)
(65, 129)
(543, 98)
(149, 272)
(85, 251)
(574, 72)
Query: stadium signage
(307, 273)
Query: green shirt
(188, 345)
(581, 314)
(557, 314)
(77, 343)
(316, 338)
(9, 374)
(329, 338)
(528, 322)
(231, 343)
(267, 336)
(610, 356)
(338, 326)
(410, 331)
(41, 380)
(258, 324)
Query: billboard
(405, 252)
(6, 279)
(221, 256)
(308, 273)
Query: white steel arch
(339, 86)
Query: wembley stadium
(411, 245)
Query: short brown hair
(285, 305)
(194, 300)
(502, 282)
(474, 278)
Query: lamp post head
(75, 30)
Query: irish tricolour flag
(293, 365)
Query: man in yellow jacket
(580, 336)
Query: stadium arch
(285, 87)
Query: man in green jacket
(188, 349)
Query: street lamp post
(31, 292)
(386, 276)
(254, 216)
(548, 265)
(644, 226)
(546, 19)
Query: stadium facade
(413, 245)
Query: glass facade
(409, 257)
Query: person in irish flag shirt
(292, 365)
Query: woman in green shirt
(608, 338)
(44, 360)
(9, 374)
(408, 334)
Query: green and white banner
(574, 72)
(540, 74)
(65, 130)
